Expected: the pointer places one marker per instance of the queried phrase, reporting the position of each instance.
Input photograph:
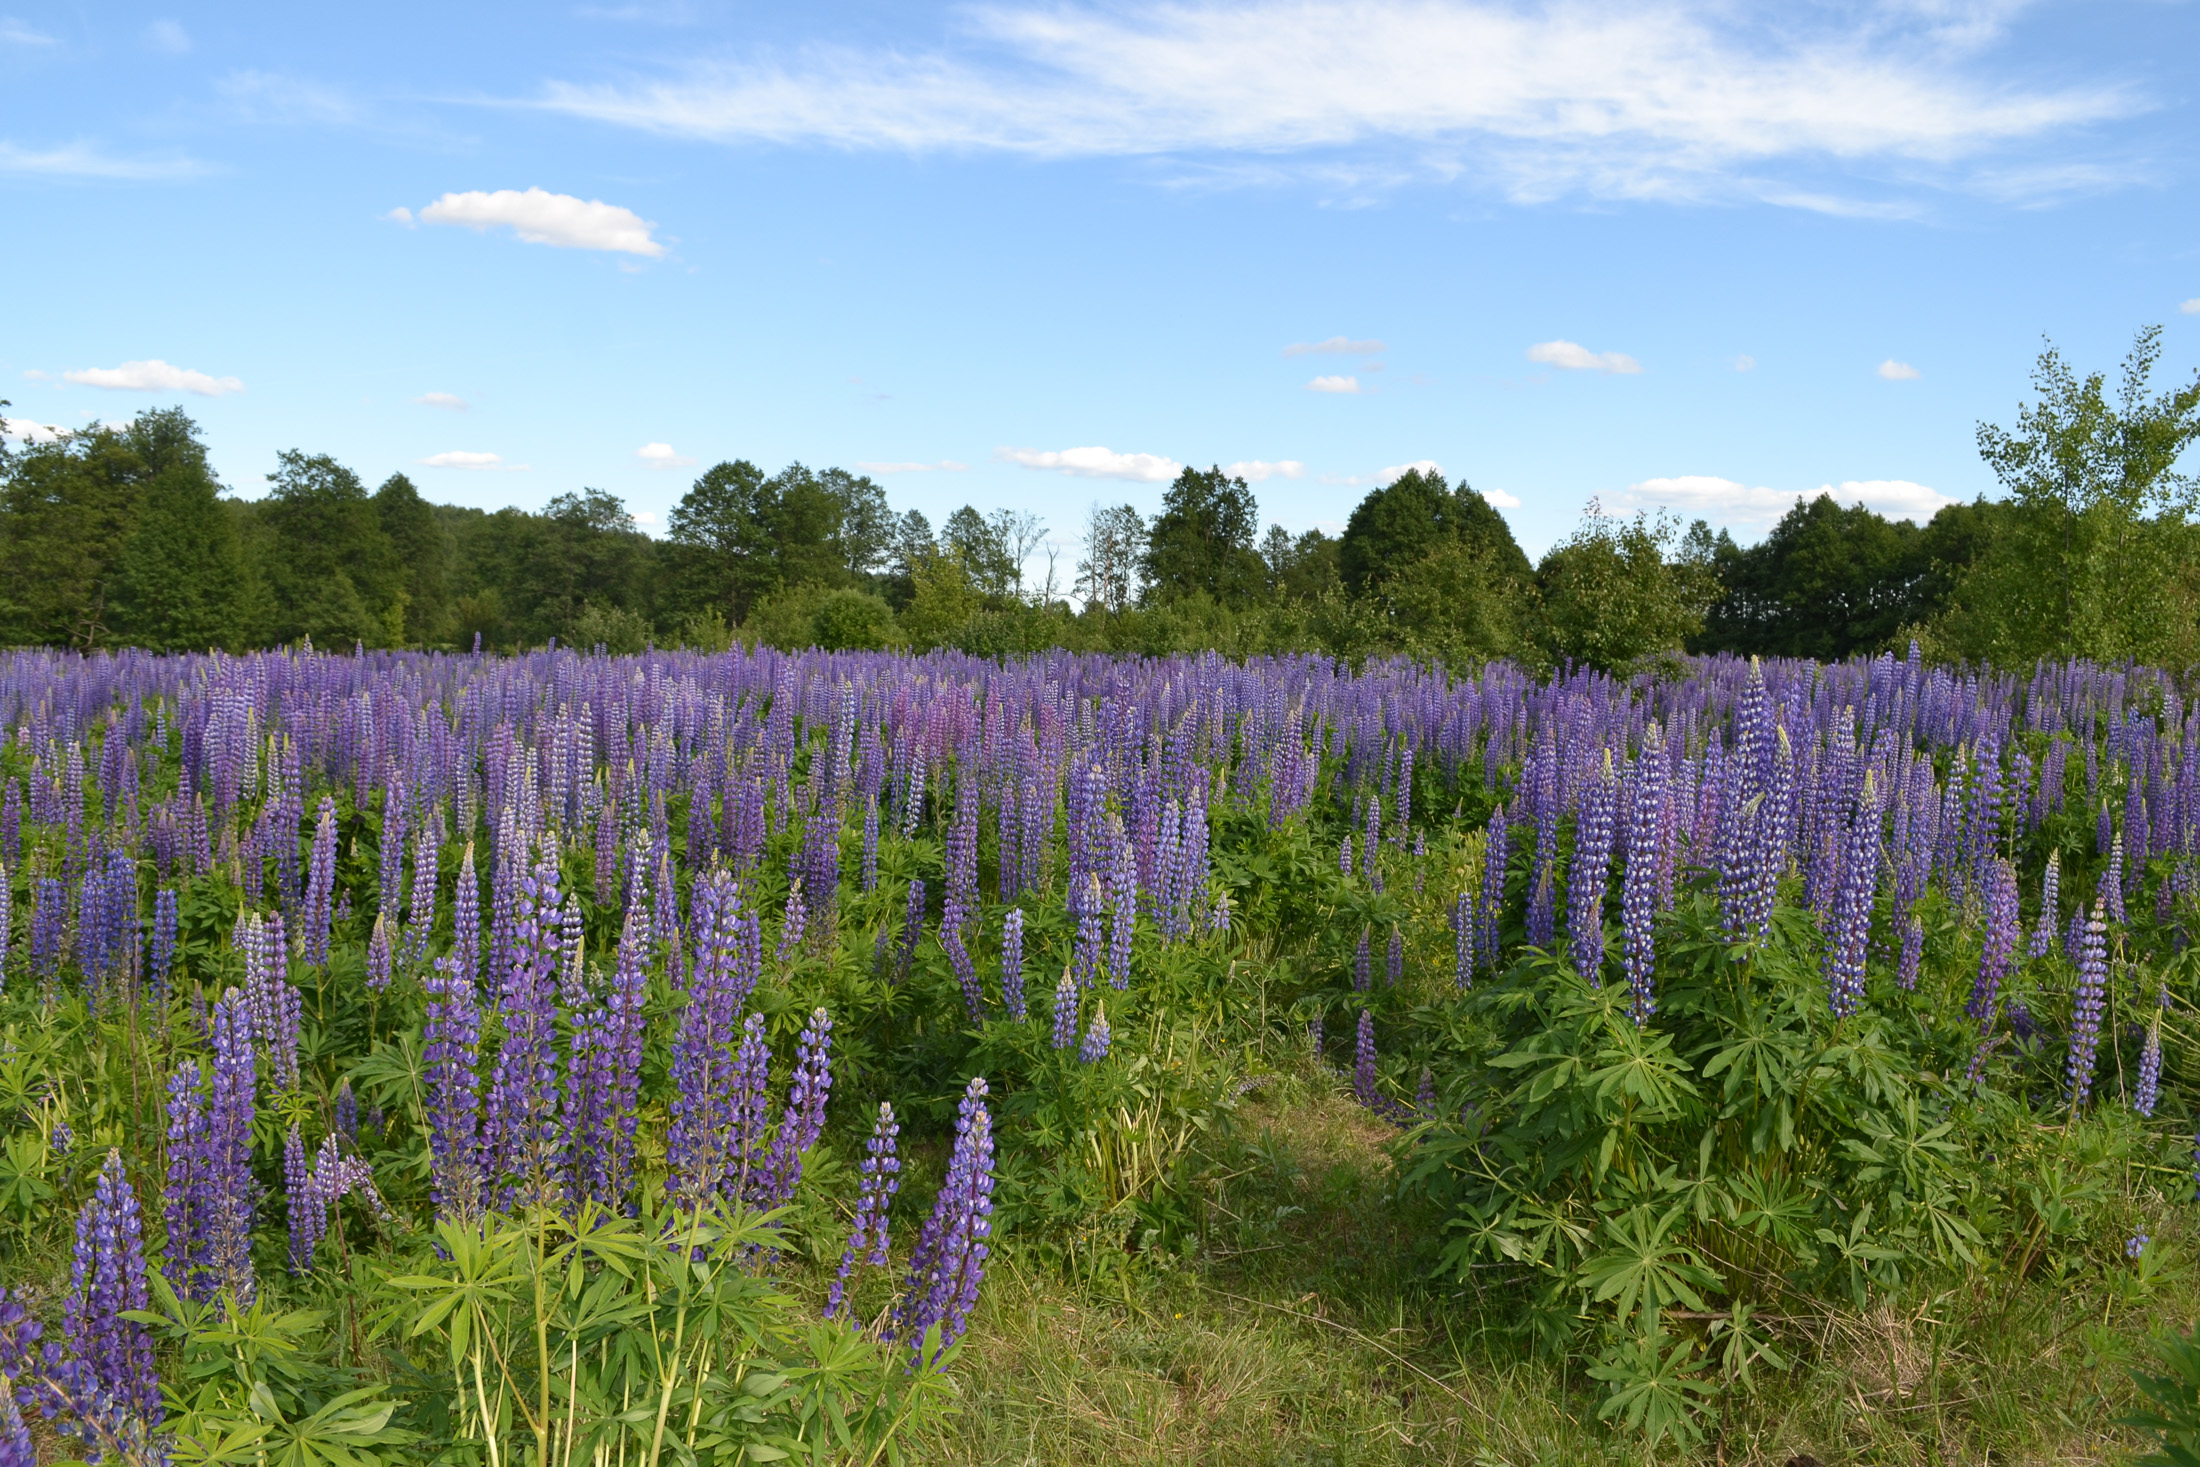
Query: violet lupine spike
(1851, 906)
(1463, 929)
(751, 1111)
(465, 958)
(1363, 1064)
(526, 1149)
(792, 921)
(420, 909)
(2148, 1091)
(1913, 954)
(949, 1260)
(1094, 1047)
(2086, 1008)
(306, 1214)
(1998, 947)
(1639, 886)
(110, 1358)
(320, 888)
(347, 1111)
(803, 1121)
(699, 1149)
(451, 1063)
(380, 960)
(1065, 1011)
(15, 1438)
(189, 1196)
(1362, 964)
(1491, 908)
(161, 948)
(2043, 933)
(1589, 873)
(227, 1168)
(1344, 855)
(1012, 964)
(1394, 962)
(868, 1238)
(1122, 908)
(2111, 892)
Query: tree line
(122, 536)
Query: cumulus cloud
(1577, 358)
(1746, 507)
(661, 456)
(24, 430)
(2191, 307)
(459, 458)
(1337, 346)
(1499, 499)
(153, 376)
(540, 217)
(945, 465)
(1684, 99)
(1334, 384)
(1260, 470)
(1895, 371)
(1745, 363)
(1095, 463)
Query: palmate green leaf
(1652, 1388)
(1647, 1264)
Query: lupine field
(755, 1057)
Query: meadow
(863, 1057)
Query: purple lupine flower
(307, 1216)
(380, 960)
(15, 1437)
(320, 888)
(881, 1178)
(1363, 1064)
(227, 1165)
(964, 966)
(2149, 1089)
(525, 1148)
(803, 1121)
(465, 957)
(347, 1111)
(189, 1197)
(1998, 949)
(1542, 920)
(616, 1058)
(1122, 906)
(1344, 855)
(1314, 1037)
(1012, 964)
(1463, 929)
(2135, 1246)
(1094, 1047)
(1371, 843)
(451, 1061)
(2043, 935)
(2111, 892)
(1394, 966)
(2086, 1007)
(751, 1110)
(1852, 906)
(1362, 965)
(699, 1143)
(110, 1357)
(792, 921)
(949, 1260)
(1065, 1011)
(1491, 908)
(161, 949)
(1913, 954)
(1424, 1094)
(420, 910)
(1639, 886)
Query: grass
(1302, 1330)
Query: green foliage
(2175, 1413)
(1201, 544)
(1613, 596)
(1410, 518)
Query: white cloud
(153, 376)
(84, 160)
(661, 456)
(1730, 502)
(169, 36)
(1745, 363)
(1895, 371)
(450, 402)
(946, 465)
(1499, 499)
(24, 430)
(1396, 471)
(1577, 358)
(1334, 384)
(1639, 101)
(459, 458)
(2191, 307)
(1338, 346)
(1260, 470)
(401, 215)
(541, 217)
(1095, 463)
(14, 33)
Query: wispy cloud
(1683, 99)
(25, 430)
(15, 33)
(1746, 507)
(278, 98)
(1346, 385)
(153, 376)
(1095, 463)
(459, 458)
(662, 456)
(1894, 371)
(2191, 307)
(1260, 470)
(945, 465)
(540, 217)
(1745, 363)
(88, 160)
(168, 36)
(450, 402)
(1340, 346)
(1576, 358)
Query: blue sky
(1699, 255)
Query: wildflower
(2085, 1009)
(881, 1178)
(949, 1260)
(1095, 1046)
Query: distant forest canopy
(121, 536)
